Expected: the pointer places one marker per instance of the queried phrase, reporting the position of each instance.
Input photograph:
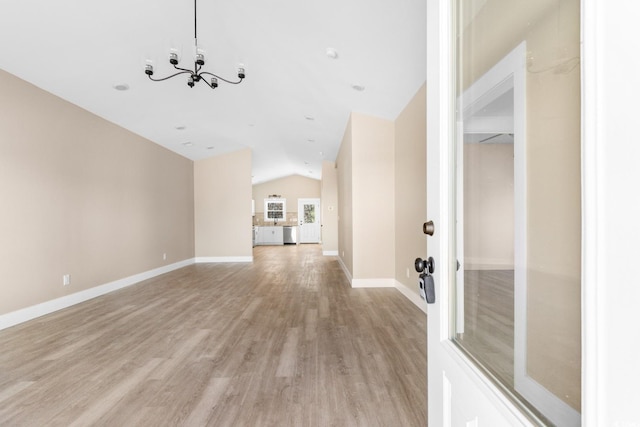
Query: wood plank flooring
(488, 321)
(281, 342)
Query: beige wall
(382, 195)
(551, 29)
(373, 197)
(345, 199)
(84, 197)
(292, 188)
(488, 207)
(223, 206)
(410, 188)
(366, 195)
(329, 197)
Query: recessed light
(358, 88)
(321, 153)
(188, 144)
(306, 163)
(332, 53)
(311, 140)
(121, 87)
(181, 127)
(310, 118)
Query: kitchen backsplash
(291, 219)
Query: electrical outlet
(408, 273)
(164, 256)
(66, 280)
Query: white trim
(384, 283)
(555, 409)
(411, 296)
(594, 390)
(441, 153)
(214, 259)
(29, 313)
(330, 253)
(373, 283)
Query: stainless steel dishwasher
(289, 233)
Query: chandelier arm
(221, 78)
(183, 70)
(168, 77)
(208, 84)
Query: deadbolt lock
(428, 228)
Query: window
(275, 209)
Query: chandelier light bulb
(214, 82)
(148, 70)
(200, 59)
(173, 58)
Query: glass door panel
(518, 225)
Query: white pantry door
(308, 220)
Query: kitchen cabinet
(269, 235)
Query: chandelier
(196, 74)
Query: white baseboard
(200, 260)
(38, 310)
(373, 283)
(412, 296)
(345, 270)
(330, 253)
(386, 283)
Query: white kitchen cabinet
(269, 235)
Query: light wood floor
(488, 321)
(281, 342)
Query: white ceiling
(80, 49)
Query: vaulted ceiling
(294, 104)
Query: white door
(308, 220)
(504, 192)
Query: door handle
(426, 269)
(422, 265)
